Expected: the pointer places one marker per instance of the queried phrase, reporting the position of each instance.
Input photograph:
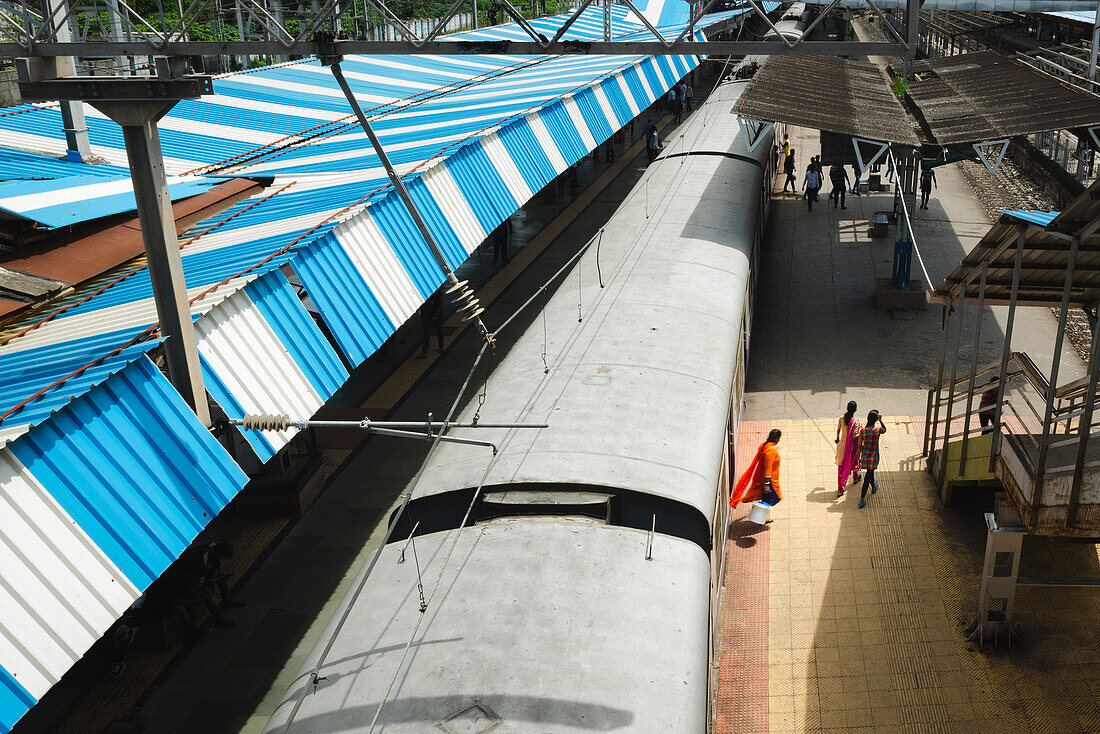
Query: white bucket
(761, 512)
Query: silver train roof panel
(537, 645)
(632, 399)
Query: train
(572, 581)
(792, 24)
(790, 28)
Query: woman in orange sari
(762, 472)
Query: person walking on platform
(788, 169)
(761, 480)
(786, 144)
(927, 178)
(987, 408)
(686, 93)
(839, 178)
(670, 98)
(847, 448)
(855, 181)
(868, 453)
(502, 242)
(431, 320)
(652, 140)
(811, 184)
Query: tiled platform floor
(866, 610)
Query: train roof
(598, 639)
(638, 392)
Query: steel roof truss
(754, 131)
(882, 148)
(992, 145)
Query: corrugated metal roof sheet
(547, 116)
(55, 193)
(1080, 16)
(116, 457)
(845, 96)
(984, 96)
(264, 354)
(97, 502)
(1035, 217)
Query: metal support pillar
(242, 35)
(933, 417)
(951, 390)
(1085, 427)
(1006, 351)
(907, 176)
(114, 17)
(1052, 387)
(912, 34)
(1095, 43)
(403, 194)
(973, 368)
(158, 231)
(72, 112)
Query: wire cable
(405, 499)
(535, 394)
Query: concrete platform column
(997, 597)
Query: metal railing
(1064, 148)
(1019, 418)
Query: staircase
(1043, 451)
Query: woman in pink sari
(847, 448)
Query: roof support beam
(453, 48)
(951, 392)
(1056, 362)
(973, 370)
(1006, 351)
(455, 286)
(1085, 427)
(158, 230)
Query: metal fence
(1066, 150)
(420, 26)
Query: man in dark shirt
(431, 320)
(987, 408)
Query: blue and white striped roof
(1080, 16)
(50, 192)
(478, 146)
(108, 450)
(95, 504)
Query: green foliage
(899, 87)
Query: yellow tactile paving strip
(867, 608)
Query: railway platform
(838, 619)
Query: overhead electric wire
(405, 499)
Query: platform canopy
(986, 96)
(958, 100)
(1047, 251)
(825, 93)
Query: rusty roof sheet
(838, 95)
(984, 96)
